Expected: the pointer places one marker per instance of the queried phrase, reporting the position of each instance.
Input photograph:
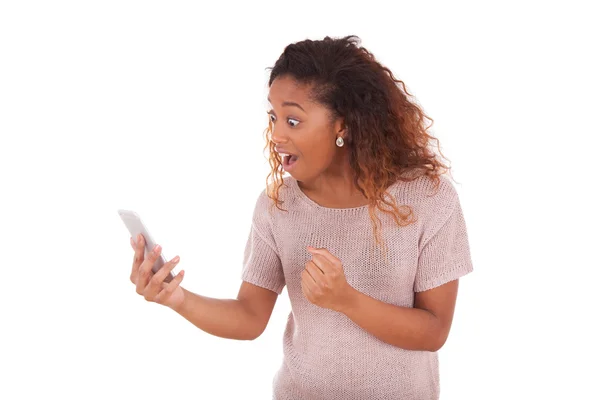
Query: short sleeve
(261, 264)
(446, 255)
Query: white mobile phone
(134, 224)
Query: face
(303, 128)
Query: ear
(340, 128)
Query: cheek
(316, 154)
(318, 151)
(321, 157)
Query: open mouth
(289, 160)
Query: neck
(334, 188)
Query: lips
(286, 156)
(282, 151)
(289, 162)
(290, 159)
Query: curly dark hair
(386, 134)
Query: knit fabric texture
(325, 354)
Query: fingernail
(157, 249)
(176, 259)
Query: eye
(271, 118)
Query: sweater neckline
(316, 205)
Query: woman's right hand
(150, 285)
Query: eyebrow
(289, 103)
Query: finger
(170, 288)
(139, 249)
(138, 258)
(145, 270)
(313, 271)
(310, 284)
(316, 274)
(323, 263)
(157, 283)
(162, 273)
(325, 253)
(304, 285)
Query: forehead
(288, 89)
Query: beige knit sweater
(326, 355)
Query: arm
(244, 318)
(424, 327)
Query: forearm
(404, 327)
(226, 318)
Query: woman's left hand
(324, 283)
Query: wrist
(350, 300)
(179, 308)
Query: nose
(277, 135)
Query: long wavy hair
(386, 132)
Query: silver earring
(339, 141)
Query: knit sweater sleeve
(445, 256)
(261, 263)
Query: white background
(160, 107)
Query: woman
(365, 232)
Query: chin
(293, 175)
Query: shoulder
(285, 193)
(437, 195)
(433, 203)
(425, 191)
(265, 209)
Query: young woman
(366, 232)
